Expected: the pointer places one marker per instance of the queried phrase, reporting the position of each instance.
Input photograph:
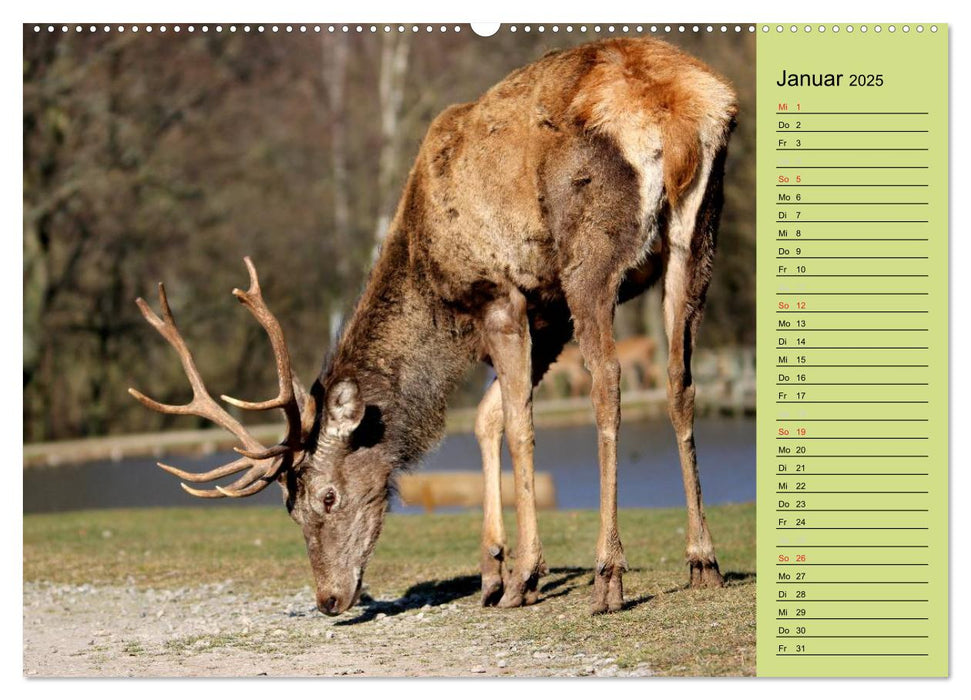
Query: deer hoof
(492, 590)
(493, 575)
(608, 589)
(705, 574)
(521, 590)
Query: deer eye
(330, 498)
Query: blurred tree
(170, 156)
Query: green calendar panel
(852, 262)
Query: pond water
(648, 471)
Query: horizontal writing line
(845, 240)
(854, 564)
(800, 113)
(854, 330)
(853, 204)
(852, 437)
(852, 636)
(851, 221)
(852, 294)
(856, 311)
(852, 149)
(851, 167)
(849, 510)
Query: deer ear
(345, 409)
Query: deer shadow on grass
(445, 591)
(436, 592)
(738, 578)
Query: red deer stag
(571, 186)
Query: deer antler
(263, 464)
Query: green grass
(676, 631)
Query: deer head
(335, 486)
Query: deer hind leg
(691, 247)
(509, 344)
(488, 431)
(591, 294)
(594, 331)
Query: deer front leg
(508, 341)
(488, 431)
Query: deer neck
(406, 350)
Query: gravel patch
(218, 630)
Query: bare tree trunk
(391, 88)
(336, 51)
(335, 70)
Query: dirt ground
(192, 592)
(213, 630)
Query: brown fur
(576, 181)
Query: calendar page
(558, 350)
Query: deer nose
(328, 604)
